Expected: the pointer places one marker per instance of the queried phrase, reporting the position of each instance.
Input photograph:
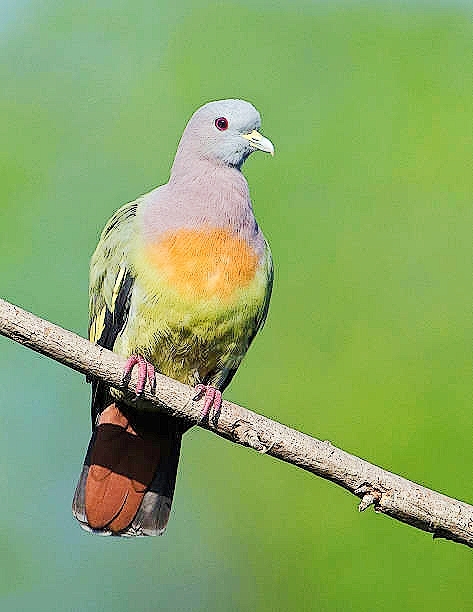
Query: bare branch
(388, 493)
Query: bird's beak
(259, 142)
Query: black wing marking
(115, 321)
(113, 324)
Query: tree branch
(390, 494)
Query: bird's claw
(146, 371)
(213, 397)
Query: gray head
(225, 131)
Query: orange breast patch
(203, 264)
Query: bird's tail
(127, 481)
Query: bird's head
(226, 132)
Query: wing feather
(111, 286)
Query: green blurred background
(368, 209)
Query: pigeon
(180, 283)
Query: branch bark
(388, 493)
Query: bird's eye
(221, 123)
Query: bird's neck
(207, 181)
(201, 194)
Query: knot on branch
(244, 433)
(370, 496)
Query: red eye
(221, 123)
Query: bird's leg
(151, 375)
(213, 397)
(145, 371)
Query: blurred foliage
(367, 206)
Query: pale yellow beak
(259, 142)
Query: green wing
(111, 285)
(111, 281)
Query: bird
(180, 283)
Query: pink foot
(213, 397)
(145, 371)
